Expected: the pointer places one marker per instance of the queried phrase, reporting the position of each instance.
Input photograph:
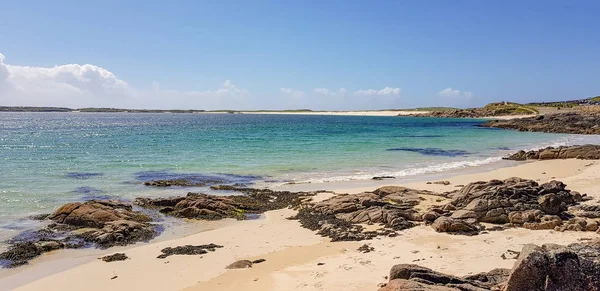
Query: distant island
(492, 109)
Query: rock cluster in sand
(550, 267)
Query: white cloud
(449, 92)
(292, 92)
(387, 91)
(327, 92)
(77, 86)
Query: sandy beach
(342, 113)
(298, 259)
(372, 113)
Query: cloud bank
(387, 91)
(79, 86)
(449, 92)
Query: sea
(48, 159)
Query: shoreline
(253, 239)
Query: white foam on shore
(424, 169)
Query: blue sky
(274, 54)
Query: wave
(424, 169)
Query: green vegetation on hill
(33, 109)
(509, 108)
(428, 109)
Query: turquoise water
(47, 159)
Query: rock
(554, 267)
(242, 264)
(259, 261)
(96, 213)
(547, 268)
(489, 279)
(115, 257)
(188, 250)
(572, 122)
(574, 224)
(545, 222)
(212, 207)
(341, 216)
(586, 210)
(365, 248)
(555, 203)
(105, 223)
(520, 217)
(383, 177)
(415, 277)
(591, 225)
(442, 182)
(455, 226)
(20, 253)
(407, 285)
(515, 200)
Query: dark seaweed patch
(90, 193)
(204, 179)
(83, 175)
(86, 190)
(433, 151)
(420, 136)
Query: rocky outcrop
(583, 152)
(572, 122)
(547, 268)
(340, 217)
(105, 223)
(414, 277)
(497, 201)
(211, 207)
(102, 223)
(514, 202)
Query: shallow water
(47, 159)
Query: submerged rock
(176, 182)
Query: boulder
(242, 264)
(549, 267)
(554, 267)
(455, 226)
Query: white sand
(292, 252)
(347, 113)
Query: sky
(283, 54)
